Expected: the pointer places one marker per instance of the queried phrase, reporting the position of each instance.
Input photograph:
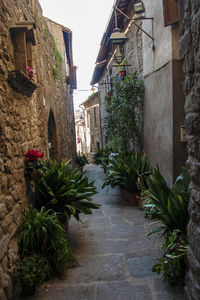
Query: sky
(87, 19)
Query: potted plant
(81, 161)
(125, 170)
(122, 73)
(32, 164)
(31, 272)
(65, 191)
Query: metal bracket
(141, 18)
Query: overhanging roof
(104, 46)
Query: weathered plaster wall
(158, 120)
(154, 60)
(164, 99)
(190, 51)
(91, 107)
(24, 125)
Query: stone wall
(24, 124)
(190, 51)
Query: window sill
(21, 83)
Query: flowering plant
(32, 163)
(30, 72)
(33, 155)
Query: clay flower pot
(123, 73)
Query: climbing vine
(56, 69)
(124, 121)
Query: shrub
(31, 272)
(81, 160)
(128, 170)
(169, 207)
(66, 191)
(41, 232)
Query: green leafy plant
(66, 191)
(101, 157)
(41, 232)
(172, 263)
(81, 160)
(31, 272)
(169, 206)
(126, 169)
(124, 119)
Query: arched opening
(52, 136)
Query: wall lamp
(117, 40)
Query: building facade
(92, 125)
(36, 110)
(152, 49)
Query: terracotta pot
(124, 194)
(139, 201)
(128, 196)
(123, 73)
(35, 175)
(132, 199)
(187, 265)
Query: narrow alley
(115, 257)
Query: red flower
(30, 72)
(32, 155)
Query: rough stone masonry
(24, 122)
(190, 52)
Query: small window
(170, 10)
(95, 116)
(24, 39)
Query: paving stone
(164, 291)
(123, 291)
(97, 268)
(141, 266)
(114, 254)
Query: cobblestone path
(115, 256)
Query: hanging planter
(122, 73)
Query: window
(170, 10)
(95, 116)
(24, 39)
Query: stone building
(36, 110)
(80, 132)
(91, 118)
(158, 63)
(106, 67)
(190, 53)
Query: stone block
(123, 290)
(3, 211)
(141, 266)
(3, 295)
(7, 221)
(185, 43)
(9, 201)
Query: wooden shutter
(20, 50)
(170, 9)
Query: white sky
(87, 19)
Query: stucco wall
(158, 120)
(153, 60)
(164, 99)
(24, 125)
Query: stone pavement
(115, 256)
